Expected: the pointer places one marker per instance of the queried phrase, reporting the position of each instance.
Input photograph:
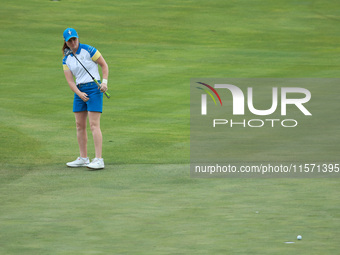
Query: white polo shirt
(86, 55)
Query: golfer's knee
(80, 126)
(94, 126)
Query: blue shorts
(95, 102)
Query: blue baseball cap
(70, 33)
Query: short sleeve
(94, 53)
(65, 67)
(96, 56)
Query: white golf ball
(299, 237)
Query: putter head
(67, 52)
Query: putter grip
(106, 94)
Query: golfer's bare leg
(81, 118)
(94, 119)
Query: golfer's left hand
(103, 87)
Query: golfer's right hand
(83, 96)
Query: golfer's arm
(105, 68)
(70, 81)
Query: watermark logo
(264, 127)
(239, 99)
(300, 98)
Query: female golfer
(88, 99)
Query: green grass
(144, 202)
(158, 209)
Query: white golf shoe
(79, 162)
(97, 163)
